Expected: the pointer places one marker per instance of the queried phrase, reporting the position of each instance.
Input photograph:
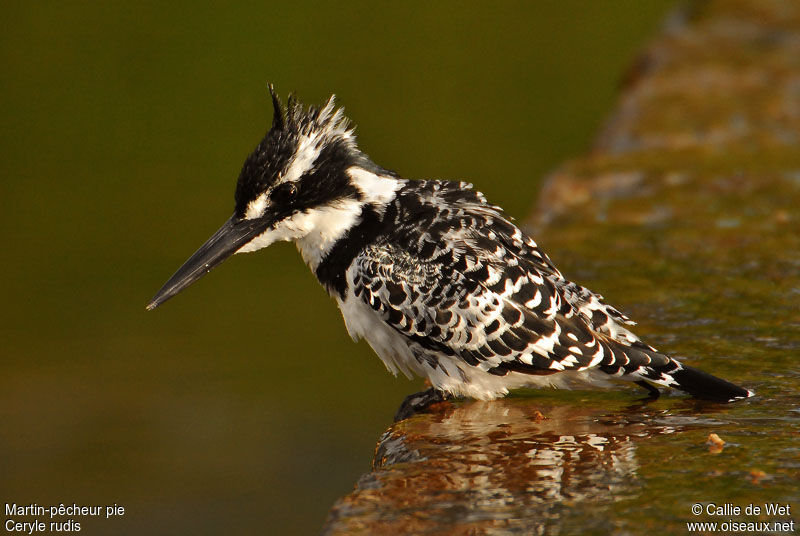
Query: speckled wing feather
(463, 281)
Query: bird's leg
(653, 391)
(419, 402)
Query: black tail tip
(708, 387)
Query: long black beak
(234, 234)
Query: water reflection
(507, 466)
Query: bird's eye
(283, 193)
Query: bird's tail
(704, 385)
(640, 362)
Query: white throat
(317, 230)
(330, 223)
(324, 227)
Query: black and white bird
(438, 281)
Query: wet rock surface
(483, 467)
(686, 215)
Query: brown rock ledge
(685, 211)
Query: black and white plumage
(437, 280)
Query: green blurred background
(241, 406)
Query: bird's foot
(419, 402)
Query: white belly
(454, 376)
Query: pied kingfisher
(437, 280)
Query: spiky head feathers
(303, 156)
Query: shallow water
(598, 462)
(539, 464)
(687, 220)
(241, 406)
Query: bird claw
(419, 402)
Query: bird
(440, 282)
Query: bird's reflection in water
(503, 467)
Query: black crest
(278, 114)
(324, 131)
